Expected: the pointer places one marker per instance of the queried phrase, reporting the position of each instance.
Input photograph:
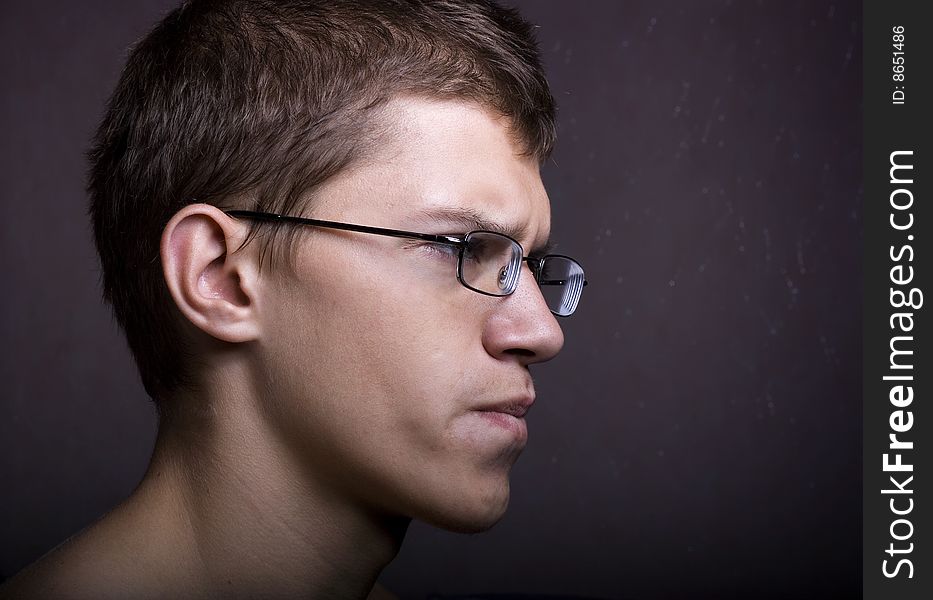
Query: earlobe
(213, 287)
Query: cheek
(377, 400)
(375, 357)
(374, 383)
(398, 330)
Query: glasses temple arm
(275, 218)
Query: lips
(517, 407)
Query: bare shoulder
(62, 573)
(106, 560)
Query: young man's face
(375, 361)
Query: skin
(338, 399)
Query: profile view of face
(377, 362)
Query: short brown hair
(257, 103)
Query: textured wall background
(700, 433)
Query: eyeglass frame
(450, 240)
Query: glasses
(487, 262)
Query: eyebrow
(472, 220)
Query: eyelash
(445, 251)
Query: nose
(522, 327)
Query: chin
(471, 524)
(470, 513)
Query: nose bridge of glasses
(534, 265)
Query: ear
(214, 288)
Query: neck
(249, 517)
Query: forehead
(444, 162)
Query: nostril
(520, 352)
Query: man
(314, 221)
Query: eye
(503, 277)
(446, 251)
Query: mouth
(517, 407)
(508, 415)
(515, 425)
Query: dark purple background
(700, 433)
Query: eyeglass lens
(491, 264)
(561, 280)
